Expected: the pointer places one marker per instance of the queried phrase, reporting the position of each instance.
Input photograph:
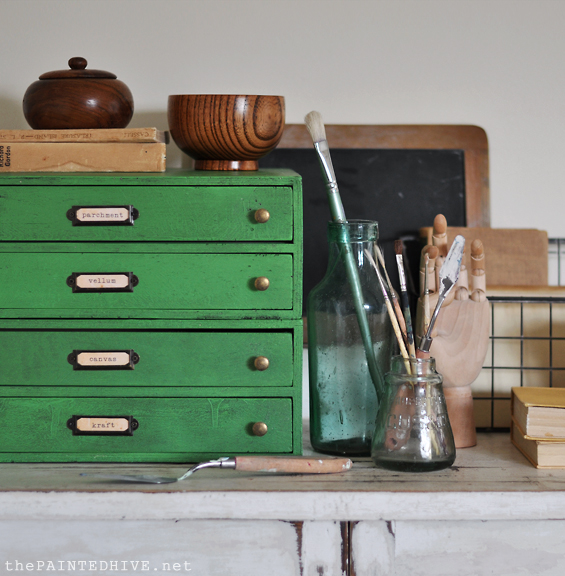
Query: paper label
(103, 359)
(102, 425)
(102, 281)
(108, 214)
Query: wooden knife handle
(292, 465)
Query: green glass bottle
(343, 397)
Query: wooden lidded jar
(78, 98)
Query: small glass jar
(343, 391)
(413, 433)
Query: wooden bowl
(78, 98)
(226, 132)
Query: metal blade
(449, 272)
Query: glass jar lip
(419, 366)
(354, 230)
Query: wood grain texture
(78, 99)
(513, 257)
(226, 132)
(281, 464)
(471, 139)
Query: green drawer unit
(161, 429)
(162, 310)
(81, 280)
(213, 208)
(147, 358)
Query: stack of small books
(97, 150)
(538, 425)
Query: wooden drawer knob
(260, 429)
(262, 215)
(261, 363)
(261, 283)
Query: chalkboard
(402, 189)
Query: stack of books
(100, 150)
(538, 425)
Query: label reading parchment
(102, 425)
(108, 214)
(100, 359)
(102, 281)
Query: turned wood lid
(77, 67)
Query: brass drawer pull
(103, 215)
(102, 425)
(260, 429)
(103, 359)
(261, 363)
(261, 283)
(102, 282)
(262, 216)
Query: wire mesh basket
(527, 344)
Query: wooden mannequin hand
(461, 332)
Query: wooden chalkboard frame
(472, 140)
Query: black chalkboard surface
(402, 190)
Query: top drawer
(165, 213)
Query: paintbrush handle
(355, 283)
(292, 465)
(399, 315)
(408, 318)
(334, 199)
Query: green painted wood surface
(206, 412)
(167, 281)
(170, 359)
(165, 425)
(154, 323)
(190, 213)
(172, 177)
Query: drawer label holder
(103, 359)
(103, 215)
(102, 281)
(102, 425)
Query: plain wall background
(494, 63)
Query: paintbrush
(398, 248)
(448, 275)
(392, 315)
(426, 298)
(393, 295)
(317, 130)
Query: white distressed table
(492, 513)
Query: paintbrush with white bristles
(317, 130)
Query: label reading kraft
(102, 425)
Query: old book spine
(96, 135)
(83, 157)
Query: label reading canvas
(100, 359)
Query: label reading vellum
(103, 359)
(102, 281)
(109, 214)
(102, 425)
